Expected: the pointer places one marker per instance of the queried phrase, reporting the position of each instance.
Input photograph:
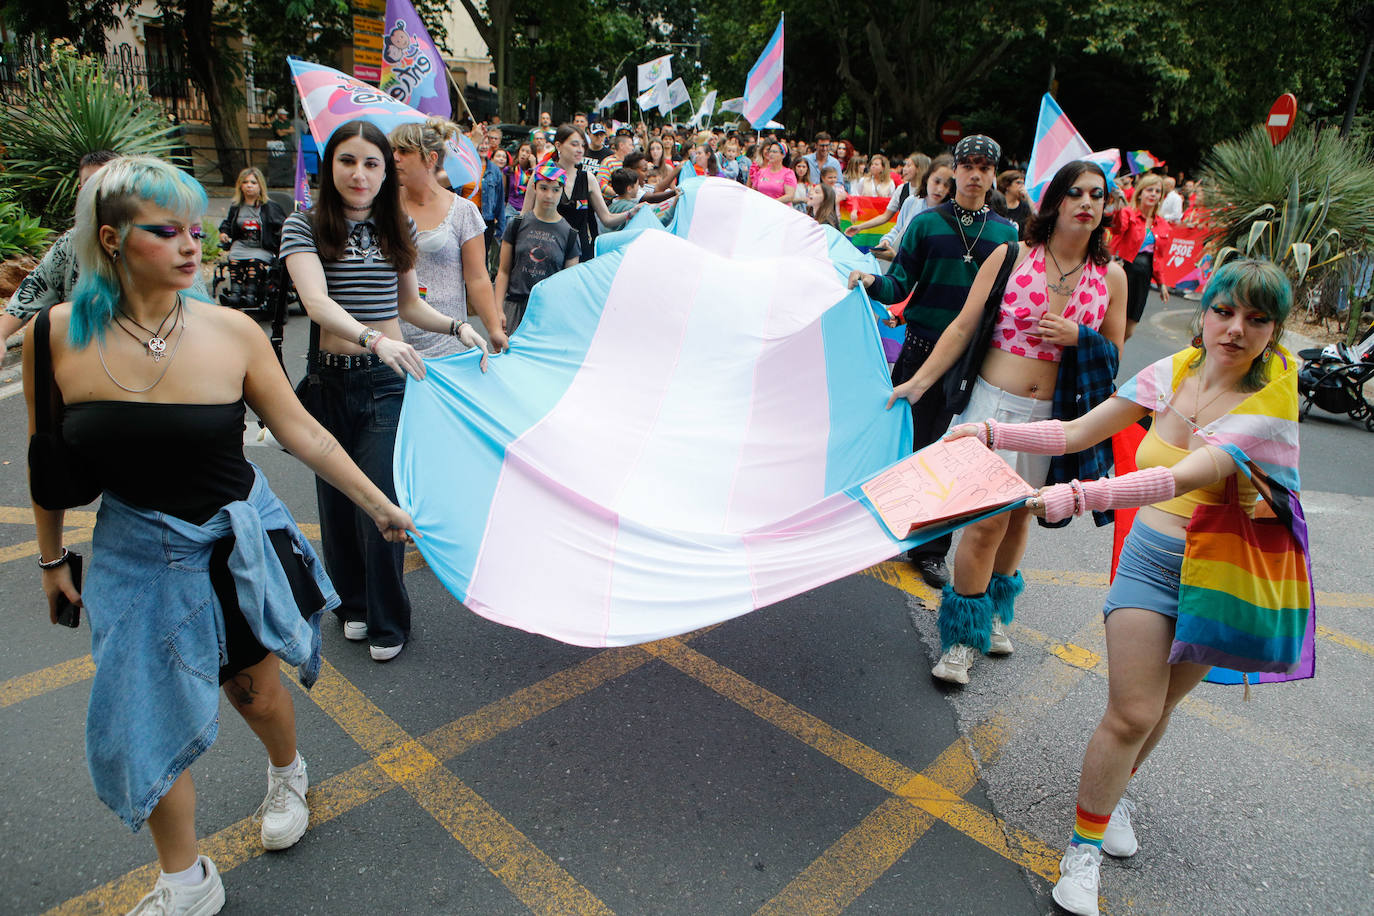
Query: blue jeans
(361, 408)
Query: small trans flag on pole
(763, 88)
(412, 69)
(1057, 143)
(301, 186)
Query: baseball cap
(596, 127)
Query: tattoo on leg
(240, 689)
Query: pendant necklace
(1059, 286)
(1197, 395)
(966, 218)
(156, 344)
(100, 350)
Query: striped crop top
(1027, 299)
(1155, 452)
(363, 280)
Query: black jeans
(361, 408)
(929, 421)
(1139, 275)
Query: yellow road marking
(70, 537)
(23, 515)
(526, 870)
(1345, 639)
(919, 790)
(26, 686)
(900, 574)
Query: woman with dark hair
(199, 575)
(352, 258)
(1012, 186)
(581, 199)
(1137, 234)
(1062, 316)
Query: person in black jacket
(251, 232)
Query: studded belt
(342, 361)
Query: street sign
(1281, 117)
(951, 131)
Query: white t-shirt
(1172, 207)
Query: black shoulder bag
(957, 383)
(58, 479)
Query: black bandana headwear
(977, 145)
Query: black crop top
(182, 459)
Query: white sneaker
(385, 653)
(201, 899)
(1076, 890)
(284, 812)
(1119, 839)
(1000, 644)
(356, 630)
(954, 664)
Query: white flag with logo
(736, 105)
(660, 68)
(655, 97)
(677, 95)
(708, 108)
(619, 93)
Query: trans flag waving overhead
(676, 437)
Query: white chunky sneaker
(954, 664)
(203, 899)
(385, 653)
(1076, 890)
(284, 812)
(1000, 644)
(355, 630)
(1119, 839)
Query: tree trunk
(215, 71)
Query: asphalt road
(796, 760)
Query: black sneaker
(932, 569)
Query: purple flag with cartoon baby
(331, 98)
(412, 69)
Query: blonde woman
(250, 232)
(1136, 235)
(878, 182)
(450, 262)
(854, 168)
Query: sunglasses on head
(1094, 193)
(170, 231)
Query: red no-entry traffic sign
(1281, 117)
(951, 131)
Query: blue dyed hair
(111, 198)
(1254, 283)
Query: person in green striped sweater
(935, 264)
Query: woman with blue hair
(1234, 388)
(200, 576)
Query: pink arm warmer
(1045, 437)
(1138, 488)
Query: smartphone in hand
(68, 612)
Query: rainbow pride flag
(856, 209)
(1142, 160)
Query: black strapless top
(182, 459)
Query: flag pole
(452, 82)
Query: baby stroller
(1333, 378)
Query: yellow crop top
(1155, 452)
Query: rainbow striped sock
(1088, 828)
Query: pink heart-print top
(1026, 300)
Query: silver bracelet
(53, 564)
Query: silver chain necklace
(100, 349)
(966, 219)
(1060, 286)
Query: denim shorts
(1147, 575)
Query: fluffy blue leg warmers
(964, 620)
(1003, 591)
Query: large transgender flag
(1057, 143)
(763, 87)
(676, 437)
